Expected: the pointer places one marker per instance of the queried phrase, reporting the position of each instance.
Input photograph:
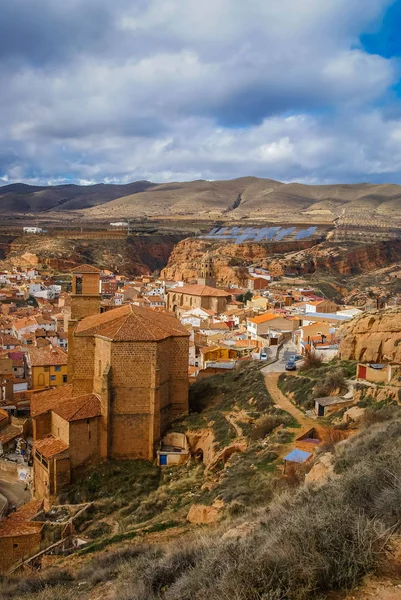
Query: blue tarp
(298, 456)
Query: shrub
(267, 424)
(312, 360)
(334, 380)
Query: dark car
(291, 366)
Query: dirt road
(285, 404)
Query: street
(14, 492)
(289, 349)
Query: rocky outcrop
(341, 258)
(200, 514)
(230, 260)
(134, 255)
(298, 258)
(374, 337)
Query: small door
(362, 372)
(320, 411)
(163, 460)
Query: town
(96, 366)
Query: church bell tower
(85, 297)
(206, 275)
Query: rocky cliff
(299, 258)
(136, 255)
(374, 337)
(230, 260)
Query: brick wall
(41, 426)
(82, 364)
(83, 306)
(60, 428)
(84, 441)
(16, 548)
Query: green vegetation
(299, 545)
(113, 485)
(242, 388)
(317, 380)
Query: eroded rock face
(374, 337)
(200, 514)
(298, 258)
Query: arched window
(78, 284)
(41, 379)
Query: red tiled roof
(50, 446)
(9, 432)
(81, 407)
(49, 355)
(10, 528)
(131, 323)
(27, 511)
(199, 290)
(44, 401)
(82, 269)
(61, 401)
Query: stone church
(128, 379)
(203, 294)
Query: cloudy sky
(120, 90)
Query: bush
(312, 360)
(267, 424)
(334, 380)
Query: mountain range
(247, 197)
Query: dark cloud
(177, 89)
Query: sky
(174, 90)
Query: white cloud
(177, 89)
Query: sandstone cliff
(374, 337)
(300, 258)
(135, 255)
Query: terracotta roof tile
(49, 355)
(131, 323)
(10, 432)
(82, 269)
(264, 318)
(77, 408)
(44, 401)
(27, 511)
(199, 290)
(61, 401)
(50, 446)
(10, 528)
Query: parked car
(263, 354)
(291, 366)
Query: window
(46, 369)
(15, 546)
(57, 369)
(64, 378)
(78, 285)
(52, 378)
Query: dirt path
(285, 404)
(233, 422)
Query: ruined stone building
(128, 379)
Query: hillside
(247, 197)
(18, 197)
(278, 538)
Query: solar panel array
(239, 235)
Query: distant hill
(20, 198)
(247, 197)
